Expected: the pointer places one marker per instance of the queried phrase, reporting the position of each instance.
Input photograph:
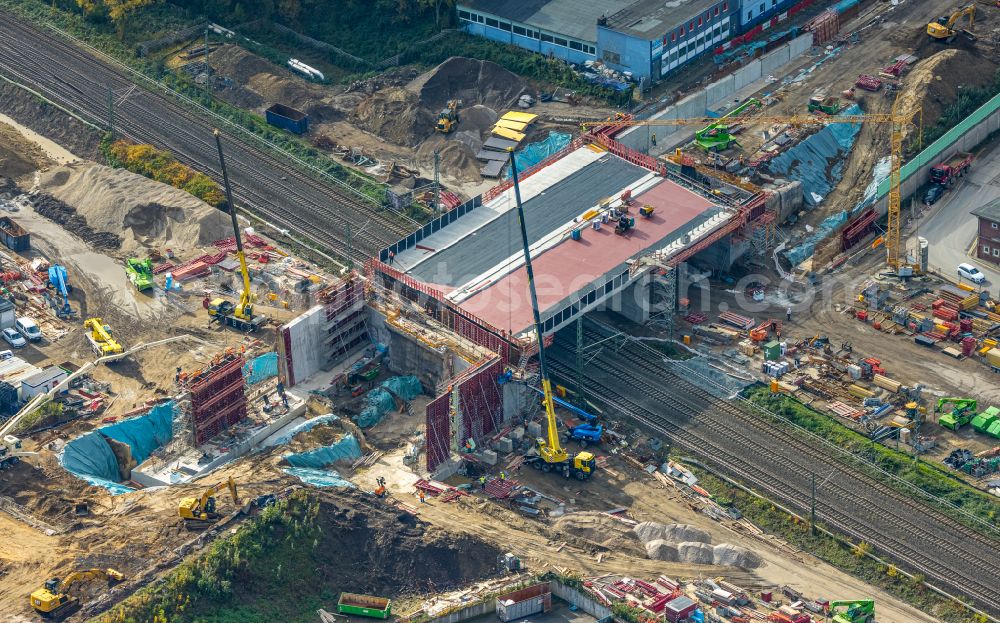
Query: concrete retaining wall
(468, 612)
(583, 602)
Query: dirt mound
(731, 555)
(658, 549)
(318, 436)
(145, 213)
(470, 80)
(18, 156)
(650, 530)
(597, 528)
(458, 159)
(695, 552)
(935, 83)
(67, 216)
(396, 115)
(477, 119)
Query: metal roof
(495, 241)
(651, 19)
(989, 211)
(573, 18)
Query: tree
(118, 11)
(437, 4)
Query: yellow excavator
(549, 456)
(448, 118)
(240, 315)
(53, 599)
(101, 341)
(942, 29)
(199, 513)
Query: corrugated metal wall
(438, 431)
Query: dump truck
(364, 605)
(945, 173)
(140, 273)
(828, 105)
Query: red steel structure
(480, 401)
(217, 397)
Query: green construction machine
(826, 105)
(857, 611)
(961, 413)
(717, 136)
(140, 273)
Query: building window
(716, 11)
(725, 6)
(774, 3)
(986, 249)
(612, 57)
(673, 36)
(505, 26)
(562, 42)
(492, 22)
(691, 27)
(993, 225)
(520, 31)
(546, 38)
(534, 34)
(464, 15)
(996, 252)
(575, 45)
(749, 15)
(480, 19)
(700, 22)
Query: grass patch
(927, 476)
(846, 557)
(968, 99)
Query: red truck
(945, 173)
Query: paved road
(951, 229)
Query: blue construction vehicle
(586, 433)
(57, 278)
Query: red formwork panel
(481, 402)
(217, 398)
(438, 433)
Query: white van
(970, 272)
(29, 329)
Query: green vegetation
(926, 476)
(847, 557)
(265, 572)
(50, 411)
(162, 167)
(967, 100)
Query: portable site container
(772, 350)
(982, 422)
(524, 602)
(364, 605)
(13, 235)
(287, 118)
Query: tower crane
(549, 456)
(897, 119)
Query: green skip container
(364, 605)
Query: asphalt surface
(265, 182)
(951, 229)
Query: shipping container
(993, 357)
(287, 118)
(772, 351)
(15, 237)
(364, 605)
(524, 602)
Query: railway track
(79, 79)
(780, 463)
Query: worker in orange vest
(420, 494)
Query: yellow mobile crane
(550, 455)
(53, 599)
(199, 512)
(941, 28)
(239, 316)
(897, 119)
(101, 341)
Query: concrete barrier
(468, 612)
(746, 75)
(720, 90)
(580, 600)
(773, 60)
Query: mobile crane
(240, 315)
(199, 513)
(101, 341)
(857, 611)
(53, 599)
(897, 120)
(549, 456)
(941, 28)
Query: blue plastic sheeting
(302, 427)
(818, 161)
(261, 368)
(90, 457)
(406, 387)
(145, 433)
(380, 402)
(844, 5)
(345, 449)
(319, 477)
(534, 153)
(800, 253)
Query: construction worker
(503, 475)
(653, 139)
(392, 257)
(421, 495)
(482, 482)
(788, 313)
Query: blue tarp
(303, 427)
(380, 402)
(261, 368)
(406, 387)
(345, 449)
(318, 477)
(534, 153)
(90, 456)
(818, 161)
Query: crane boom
(245, 307)
(898, 120)
(553, 451)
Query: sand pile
(18, 156)
(597, 528)
(470, 80)
(396, 115)
(735, 556)
(935, 83)
(650, 530)
(658, 549)
(145, 213)
(458, 158)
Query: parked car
(970, 272)
(28, 328)
(933, 194)
(14, 338)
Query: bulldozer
(856, 611)
(53, 600)
(942, 29)
(448, 117)
(200, 512)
